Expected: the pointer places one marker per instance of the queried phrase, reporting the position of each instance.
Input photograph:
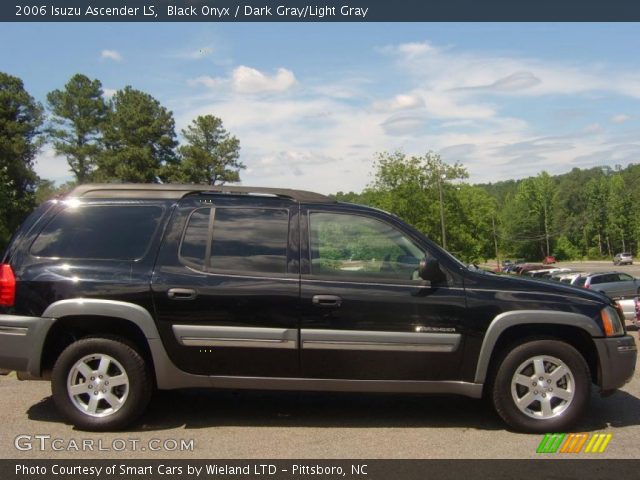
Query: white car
(631, 309)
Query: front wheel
(542, 386)
(101, 384)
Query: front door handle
(331, 301)
(181, 294)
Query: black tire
(561, 413)
(134, 395)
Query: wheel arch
(127, 320)
(508, 327)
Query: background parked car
(570, 277)
(623, 259)
(630, 309)
(615, 284)
(548, 260)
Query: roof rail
(177, 191)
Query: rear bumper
(617, 357)
(21, 342)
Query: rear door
(226, 286)
(365, 312)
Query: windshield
(580, 281)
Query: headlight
(612, 321)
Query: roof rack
(177, 191)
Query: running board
(473, 390)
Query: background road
(316, 425)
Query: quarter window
(113, 232)
(347, 245)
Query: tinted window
(194, 242)
(357, 246)
(252, 240)
(120, 232)
(608, 278)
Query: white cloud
(250, 80)
(401, 101)
(620, 118)
(111, 55)
(109, 92)
(205, 81)
(245, 79)
(323, 135)
(448, 68)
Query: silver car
(614, 284)
(623, 259)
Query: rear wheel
(101, 384)
(542, 386)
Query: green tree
(421, 190)
(79, 112)
(620, 217)
(596, 192)
(539, 194)
(211, 155)
(139, 138)
(20, 120)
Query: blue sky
(313, 103)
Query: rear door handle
(326, 301)
(182, 294)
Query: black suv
(119, 289)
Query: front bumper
(21, 342)
(617, 357)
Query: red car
(548, 260)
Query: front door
(226, 287)
(366, 314)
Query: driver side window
(346, 245)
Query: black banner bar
(321, 469)
(321, 11)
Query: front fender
(527, 317)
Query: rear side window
(608, 278)
(246, 240)
(109, 232)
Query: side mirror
(429, 269)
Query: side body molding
(523, 317)
(168, 376)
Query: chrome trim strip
(243, 337)
(249, 277)
(400, 285)
(19, 331)
(313, 339)
(473, 390)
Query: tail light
(7, 286)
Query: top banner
(325, 11)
